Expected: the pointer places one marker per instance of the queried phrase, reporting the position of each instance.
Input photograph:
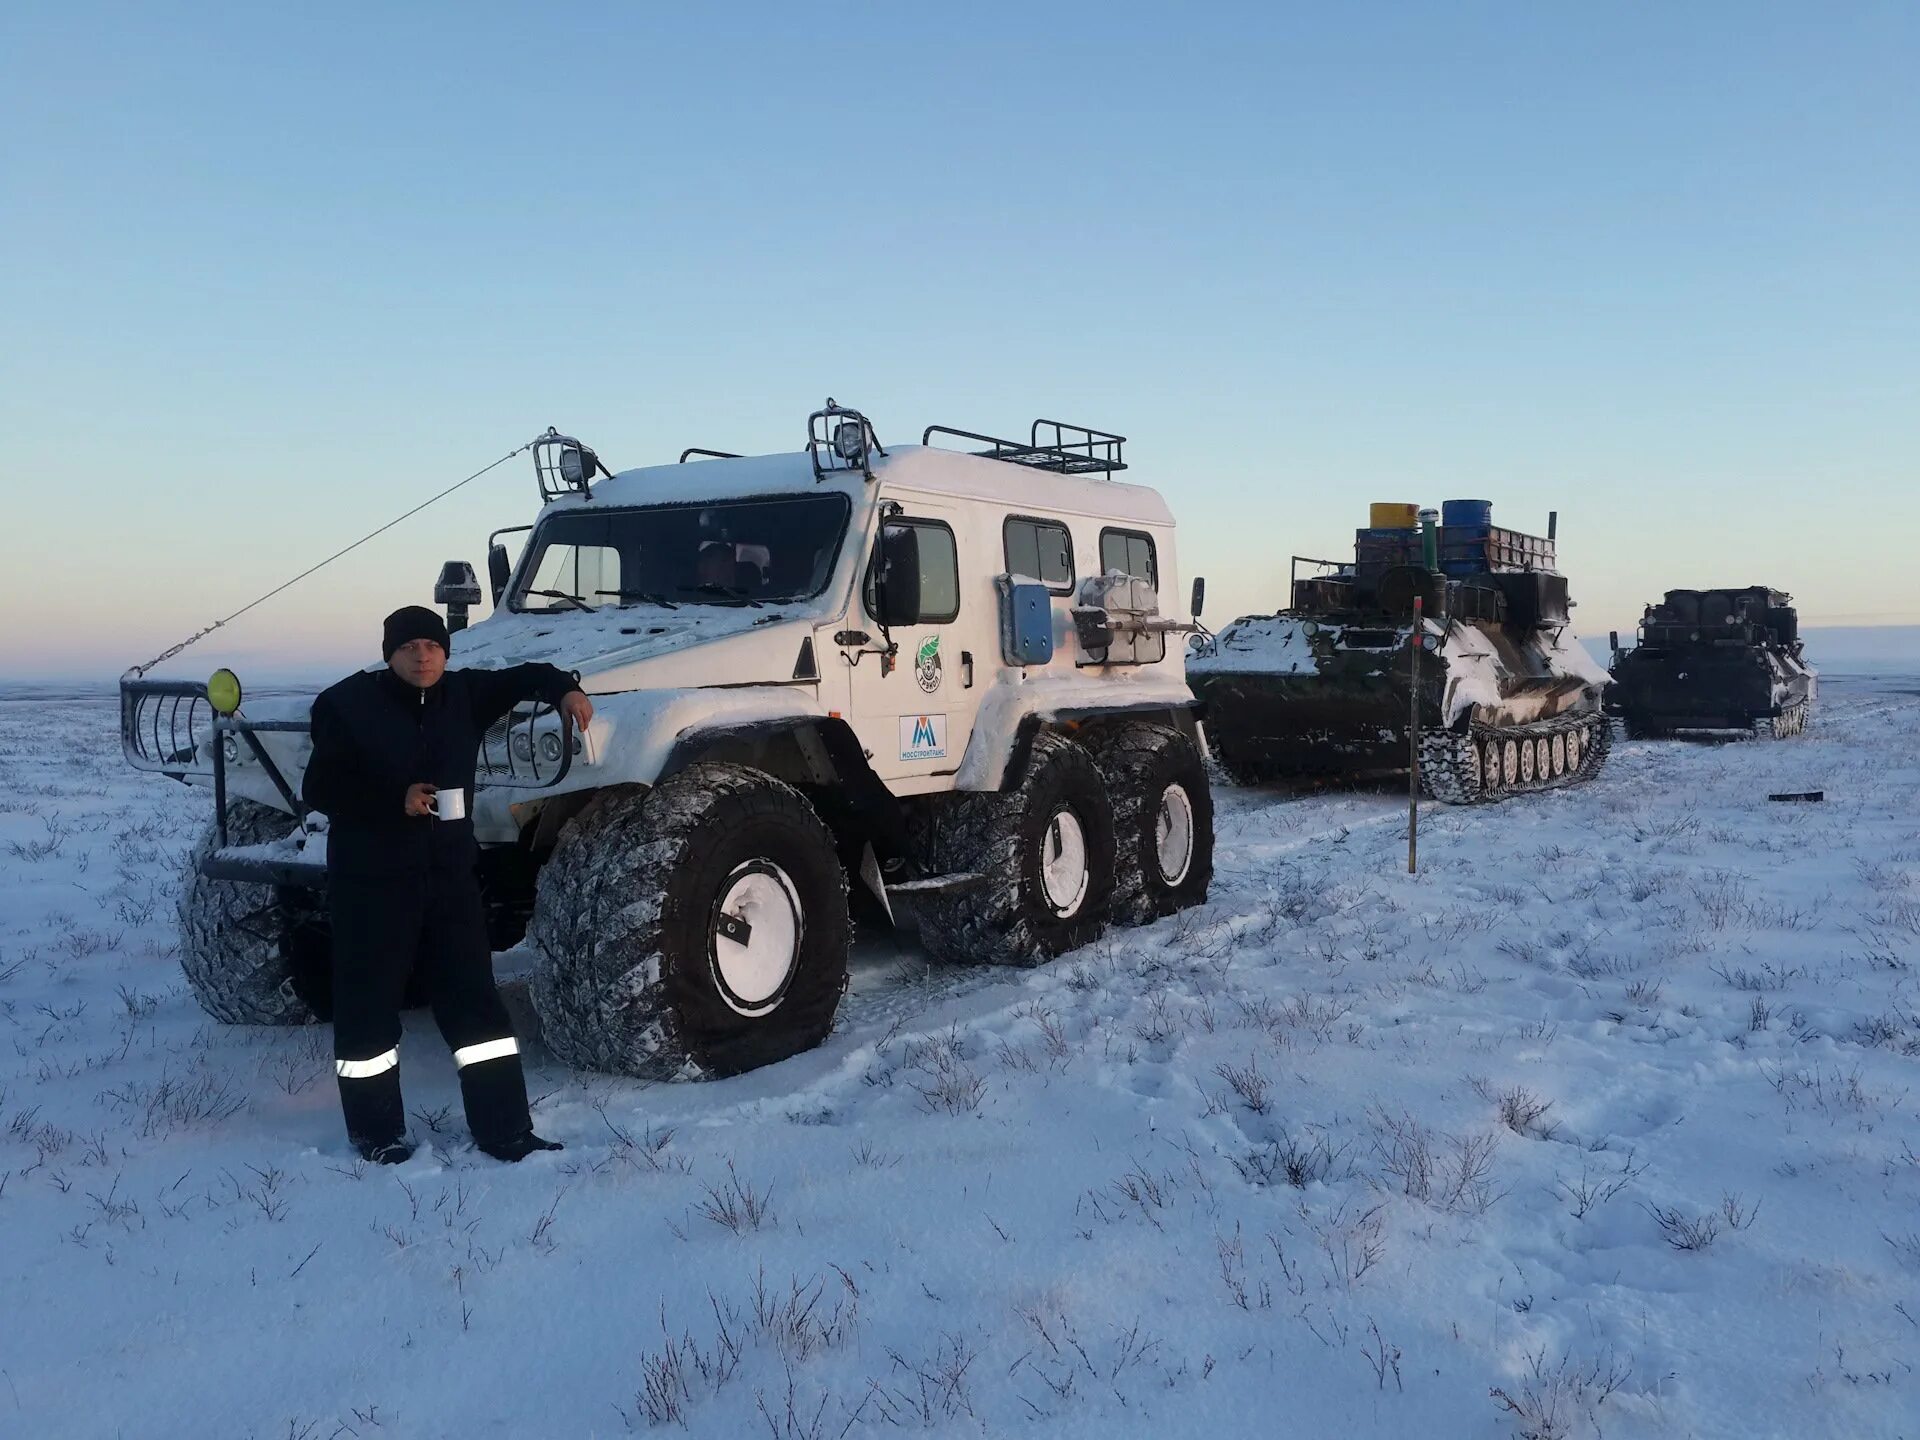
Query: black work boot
(517, 1148)
(495, 1092)
(376, 1117)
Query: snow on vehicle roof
(921, 468)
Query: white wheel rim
(1543, 758)
(1063, 864)
(1573, 750)
(1526, 762)
(1509, 761)
(1173, 834)
(753, 974)
(1559, 755)
(1490, 766)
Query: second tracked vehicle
(1715, 662)
(1508, 700)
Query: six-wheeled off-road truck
(941, 674)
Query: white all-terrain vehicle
(943, 673)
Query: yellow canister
(1385, 515)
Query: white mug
(450, 804)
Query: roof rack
(1051, 445)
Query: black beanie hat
(412, 622)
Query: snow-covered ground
(1603, 1123)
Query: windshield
(731, 552)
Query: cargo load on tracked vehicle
(1713, 662)
(939, 673)
(1508, 700)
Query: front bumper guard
(168, 727)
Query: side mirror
(896, 578)
(1199, 596)
(499, 571)
(1613, 641)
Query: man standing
(403, 886)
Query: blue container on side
(1466, 513)
(1026, 623)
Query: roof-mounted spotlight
(565, 466)
(841, 439)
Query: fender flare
(1185, 717)
(829, 758)
(826, 744)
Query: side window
(1041, 550)
(1131, 553)
(926, 549)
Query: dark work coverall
(404, 889)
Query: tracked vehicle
(938, 671)
(1714, 662)
(1508, 700)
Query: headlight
(522, 746)
(230, 747)
(550, 748)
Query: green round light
(223, 691)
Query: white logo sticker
(923, 737)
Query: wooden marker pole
(1413, 736)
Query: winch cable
(202, 634)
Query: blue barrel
(1464, 528)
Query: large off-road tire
(1040, 857)
(241, 945)
(1162, 819)
(696, 929)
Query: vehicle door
(912, 709)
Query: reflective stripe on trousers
(486, 1050)
(367, 1069)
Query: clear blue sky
(270, 273)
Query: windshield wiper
(562, 595)
(647, 595)
(734, 595)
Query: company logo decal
(926, 664)
(923, 737)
